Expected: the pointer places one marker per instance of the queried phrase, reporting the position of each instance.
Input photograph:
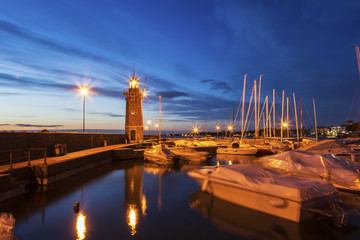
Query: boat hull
(237, 151)
(270, 204)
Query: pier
(16, 177)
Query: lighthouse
(134, 117)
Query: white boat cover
(339, 171)
(327, 146)
(158, 154)
(267, 181)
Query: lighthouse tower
(134, 116)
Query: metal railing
(29, 155)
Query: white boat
(161, 155)
(332, 146)
(265, 190)
(342, 173)
(237, 151)
(170, 155)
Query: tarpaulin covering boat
(264, 190)
(342, 173)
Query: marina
(133, 199)
(179, 120)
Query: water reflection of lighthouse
(134, 198)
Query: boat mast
(297, 128)
(256, 110)
(282, 115)
(160, 120)
(315, 120)
(259, 94)
(243, 107)
(264, 127)
(274, 112)
(287, 117)
(301, 119)
(267, 116)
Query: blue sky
(194, 53)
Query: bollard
(11, 167)
(29, 164)
(45, 156)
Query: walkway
(69, 156)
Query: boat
(342, 173)
(162, 155)
(236, 149)
(333, 146)
(169, 155)
(265, 190)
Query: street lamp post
(217, 130)
(230, 130)
(83, 93)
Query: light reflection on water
(145, 201)
(80, 226)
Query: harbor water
(137, 200)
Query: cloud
(5, 124)
(35, 125)
(27, 35)
(217, 85)
(172, 94)
(108, 114)
(10, 94)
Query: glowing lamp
(83, 91)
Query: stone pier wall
(19, 143)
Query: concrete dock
(52, 169)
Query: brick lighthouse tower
(134, 117)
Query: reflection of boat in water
(248, 223)
(342, 173)
(7, 226)
(191, 154)
(243, 221)
(231, 158)
(265, 190)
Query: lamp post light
(217, 130)
(195, 131)
(83, 92)
(230, 129)
(285, 125)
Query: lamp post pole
(83, 113)
(83, 93)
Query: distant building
(134, 117)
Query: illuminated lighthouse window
(132, 112)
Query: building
(134, 117)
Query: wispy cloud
(113, 115)
(172, 94)
(217, 85)
(21, 32)
(37, 125)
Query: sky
(194, 53)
